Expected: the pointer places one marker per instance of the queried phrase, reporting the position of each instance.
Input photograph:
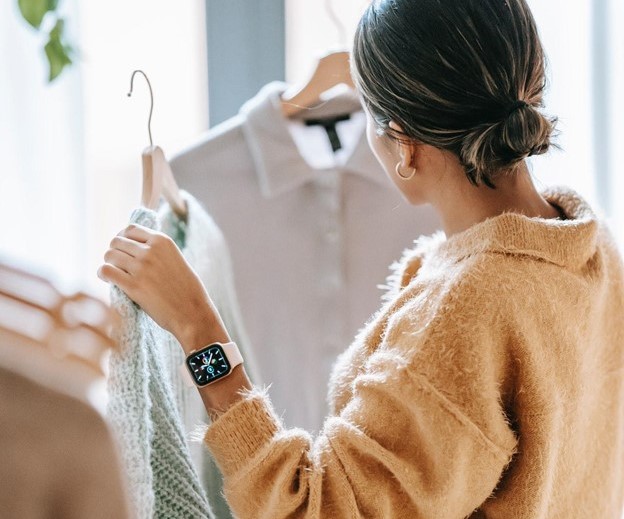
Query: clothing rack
(56, 339)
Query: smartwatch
(213, 362)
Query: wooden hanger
(34, 313)
(158, 179)
(23, 285)
(66, 309)
(29, 326)
(331, 70)
(72, 362)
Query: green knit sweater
(203, 245)
(151, 439)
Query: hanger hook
(149, 121)
(342, 31)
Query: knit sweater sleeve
(399, 448)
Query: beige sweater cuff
(239, 433)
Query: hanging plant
(57, 50)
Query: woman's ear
(406, 149)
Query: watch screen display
(208, 365)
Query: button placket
(331, 274)
(332, 263)
(332, 311)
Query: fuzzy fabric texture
(489, 384)
(204, 247)
(58, 456)
(162, 481)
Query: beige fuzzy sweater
(490, 384)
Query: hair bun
(521, 133)
(516, 106)
(430, 68)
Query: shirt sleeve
(399, 448)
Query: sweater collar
(569, 243)
(279, 165)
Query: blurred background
(71, 148)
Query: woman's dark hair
(461, 75)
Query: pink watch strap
(233, 354)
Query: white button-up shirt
(311, 232)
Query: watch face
(208, 365)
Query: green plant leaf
(33, 11)
(57, 52)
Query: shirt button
(332, 235)
(331, 284)
(334, 281)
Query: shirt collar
(279, 165)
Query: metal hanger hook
(340, 27)
(149, 121)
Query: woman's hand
(148, 266)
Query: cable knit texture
(489, 384)
(142, 410)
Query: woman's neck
(462, 205)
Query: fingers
(112, 274)
(120, 259)
(128, 246)
(137, 233)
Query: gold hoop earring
(397, 169)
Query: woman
(490, 382)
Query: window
(70, 175)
